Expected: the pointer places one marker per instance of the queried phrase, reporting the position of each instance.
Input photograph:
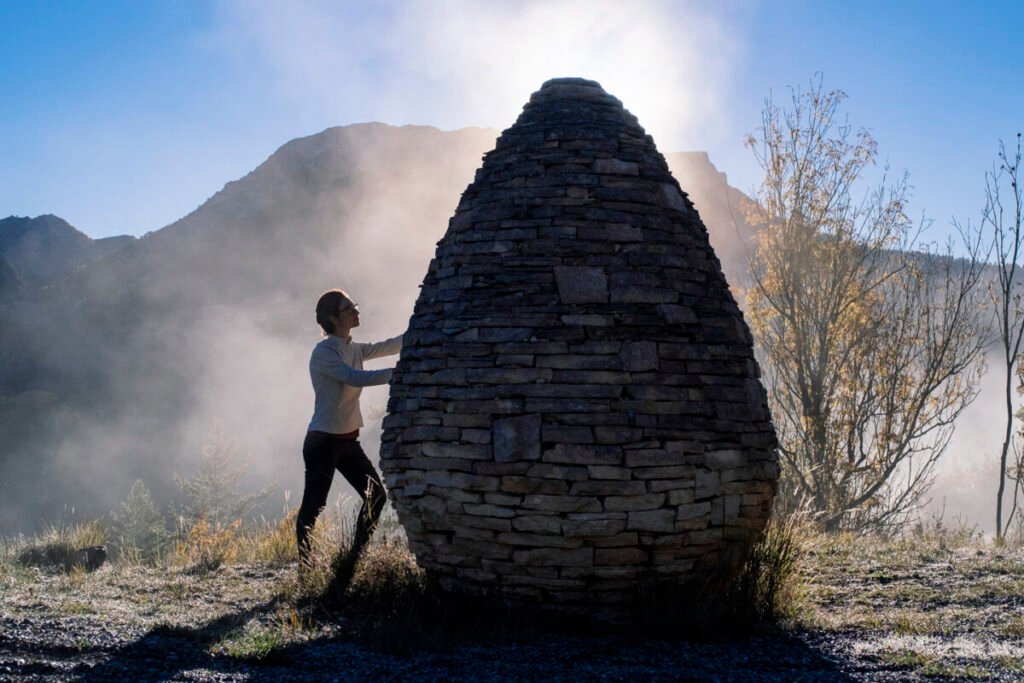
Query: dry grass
(770, 587)
(58, 546)
(273, 542)
(390, 600)
(936, 603)
(205, 546)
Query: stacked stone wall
(577, 405)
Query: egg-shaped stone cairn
(576, 408)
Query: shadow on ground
(164, 653)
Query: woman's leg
(359, 472)
(319, 456)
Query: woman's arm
(388, 347)
(330, 363)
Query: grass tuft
(273, 542)
(59, 546)
(1013, 628)
(906, 658)
(260, 644)
(769, 587)
(203, 547)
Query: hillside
(11, 286)
(44, 249)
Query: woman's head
(336, 312)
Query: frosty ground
(933, 607)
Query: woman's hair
(327, 305)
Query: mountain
(11, 286)
(143, 345)
(327, 201)
(43, 249)
(722, 208)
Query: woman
(332, 440)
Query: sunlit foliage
(869, 340)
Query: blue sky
(122, 117)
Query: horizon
(226, 83)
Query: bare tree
(1002, 218)
(1015, 471)
(867, 338)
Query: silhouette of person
(332, 439)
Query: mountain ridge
(46, 248)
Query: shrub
(935, 530)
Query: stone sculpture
(577, 406)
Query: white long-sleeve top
(336, 368)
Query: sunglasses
(349, 307)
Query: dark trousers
(324, 453)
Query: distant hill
(11, 286)
(140, 345)
(44, 249)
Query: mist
(209, 321)
(464, 63)
(967, 474)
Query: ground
(876, 610)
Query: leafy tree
(868, 346)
